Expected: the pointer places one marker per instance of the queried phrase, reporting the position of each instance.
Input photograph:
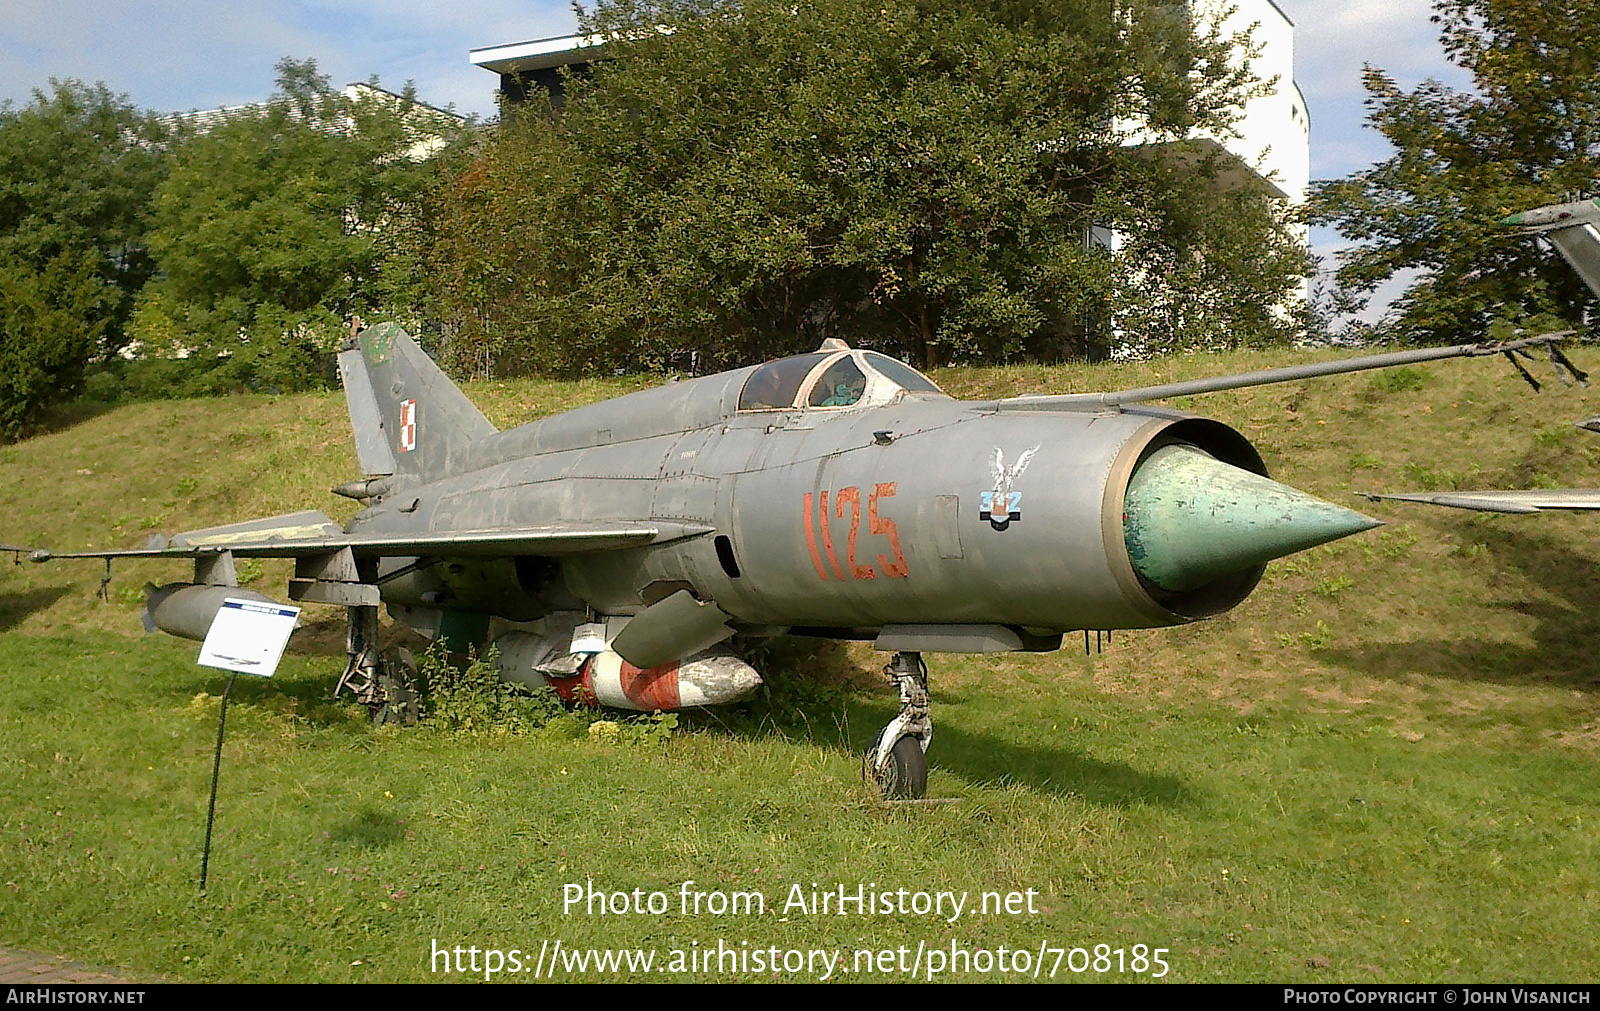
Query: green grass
(1382, 767)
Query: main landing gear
(897, 762)
(383, 681)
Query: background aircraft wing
(1530, 501)
(313, 533)
(1292, 373)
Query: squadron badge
(1001, 505)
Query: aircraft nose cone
(1189, 518)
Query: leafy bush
(475, 700)
(913, 177)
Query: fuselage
(904, 506)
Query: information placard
(248, 636)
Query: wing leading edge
(304, 534)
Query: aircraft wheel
(905, 776)
(398, 683)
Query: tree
(50, 321)
(1528, 135)
(78, 167)
(272, 228)
(917, 175)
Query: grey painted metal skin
(625, 493)
(845, 521)
(1571, 229)
(872, 505)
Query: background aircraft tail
(1580, 245)
(409, 419)
(1571, 228)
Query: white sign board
(589, 637)
(248, 636)
(596, 636)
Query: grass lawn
(1381, 767)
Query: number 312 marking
(816, 508)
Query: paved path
(19, 966)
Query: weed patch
(472, 698)
(1406, 379)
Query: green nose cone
(1189, 518)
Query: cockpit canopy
(825, 380)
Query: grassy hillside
(1382, 766)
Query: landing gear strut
(897, 762)
(384, 682)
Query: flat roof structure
(525, 67)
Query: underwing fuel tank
(186, 610)
(710, 677)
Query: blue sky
(172, 55)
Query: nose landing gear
(897, 763)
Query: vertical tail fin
(409, 418)
(1580, 246)
(1570, 227)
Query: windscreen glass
(902, 374)
(840, 386)
(774, 385)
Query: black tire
(906, 775)
(400, 705)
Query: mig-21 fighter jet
(615, 550)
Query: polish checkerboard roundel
(408, 425)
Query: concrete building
(427, 126)
(1272, 145)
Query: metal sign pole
(216, 768)
(246, 636)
